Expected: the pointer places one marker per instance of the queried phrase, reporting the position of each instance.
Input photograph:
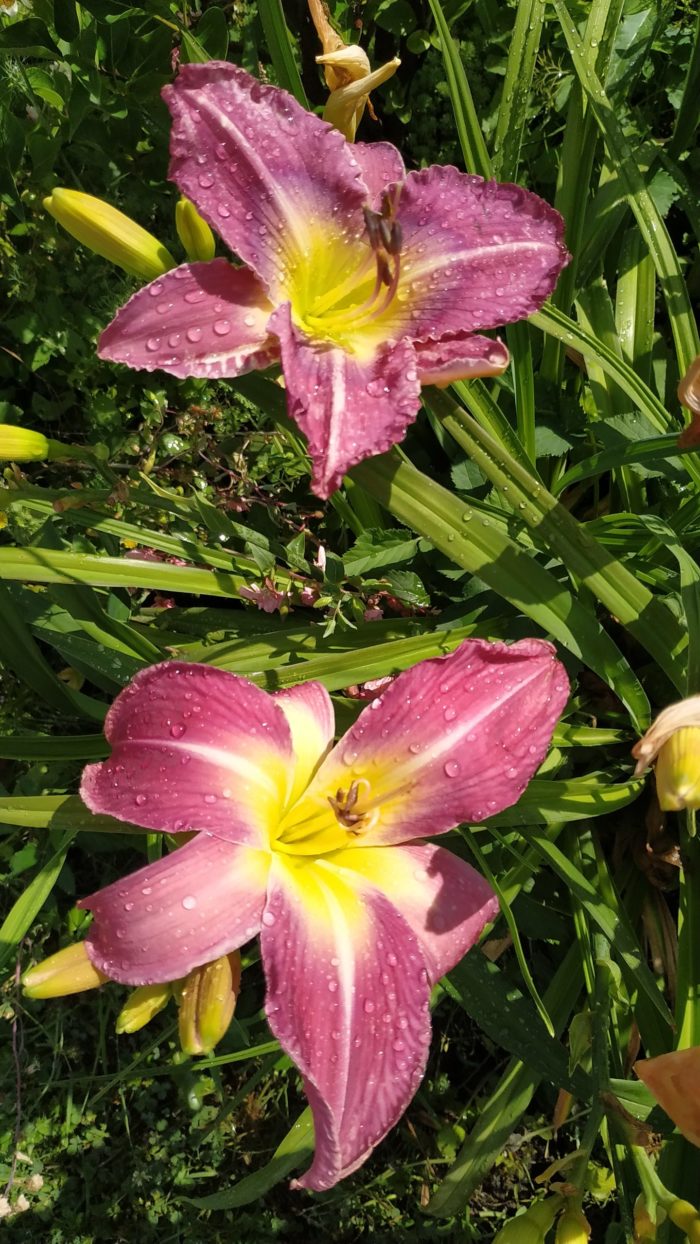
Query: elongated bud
(108, 232)
(25, 445)
(532, 1226)
(207, 1003)
(194, 233)
(678, 770)
(644, 1225)
(689, 387)
(68, 971)
(345, 106)
(142, 1005)
(22, 445)
(685, 1216)
(573, 1227)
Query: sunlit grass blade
(471, 138)
(37, 565)
(498, 1117)
(649, 219)
(613, 584)
(25, 910)
(479, 546)
(294, 1150)
(517, 84)
(281, 49)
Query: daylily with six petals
(362, 280)
(314, 847)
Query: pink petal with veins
(202, 319)
(262, 171)
(201, 901)
(456, 738)
(347, 409)
(476, 254)
(445, 901)
(194, 748)
(347, 998)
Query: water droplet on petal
(140, 800)
(450, 714)
(268, 918)
(222, 327)
(451, 768)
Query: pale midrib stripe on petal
(345, 938)
(505, 249)
(402, 773)
(231, 761)
(287, 208)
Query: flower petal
(194, 748)
(456, 738)
(674, 1080)
(348, 409)
(264, 172)
(201, 319)
(347, 998)
(201, 901)
(381, 165)
(460, 358)
(446, 902)
(311, 719)
(475, 254)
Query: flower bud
(142, 1005)
(685, 1216)
(68, 971)
(22, 444)
(644, 1225)
(532, 1226)
(573, 1227)
(109, 233)
(207, 1003)
(689, 387)
(194, 233)
(678, 770)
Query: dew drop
(268, 919)
(222, 327)
(193, 334)
(152, 344)
(140, 800)
(450, 714)
(205, 180)
(451, 768)
(189, 902)
(249, 320)
(368, 1006)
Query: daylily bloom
(673, 742)
(314, 847)
(674, 1080)
(362, 280)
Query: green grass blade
(29, 904)
(647, 215)
(477, 545)
(517, 84)
(471, 139)
(295, 1149)
(280, 47)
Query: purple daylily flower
(364, 281)
(317, 848)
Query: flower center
(323, 822)
(341, 301)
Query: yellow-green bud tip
(207, 1003)
(68, 971)
(194, 232)
(22, 445)
(108, 232)
(678, 770)
(141, 1006)
(573, 1227)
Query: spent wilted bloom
(674, 1080)
(319, 850)
(362, 280)
(672, 744)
